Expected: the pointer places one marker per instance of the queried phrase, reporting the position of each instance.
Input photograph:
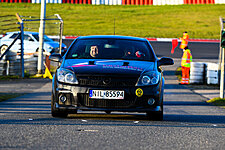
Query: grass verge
(5, 96)
(217, 101)
(168, 21)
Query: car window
(46, 39)
(13, 36)
(110, 49)
(28, 38)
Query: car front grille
(84, 100)
(107, 81)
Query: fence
(123, 2)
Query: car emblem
(107, 81)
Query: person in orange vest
(185, 65)
(184, 40)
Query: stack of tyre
(212, 73)
(10, 55)
(201, 72)
(197, 72)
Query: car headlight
(66, 76)
(149, 78)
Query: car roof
(26, 32)
(112, 37)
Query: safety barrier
(219, 1)
(202, 73)
(107, 2)
(212, 73)
(16, 1)
(168, 2)
(197, 72)
(47, 1)
(14, 67)
(123, 2)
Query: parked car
(31, 43)
(109, 73)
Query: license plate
(106, 94)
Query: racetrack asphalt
(189, 122)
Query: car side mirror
(55, 57)
(165, 61)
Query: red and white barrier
(168, 2)
(219, 1)
(123, 2)
(47, 1)
(106, 2)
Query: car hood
(116, 67)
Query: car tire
(156, 116)
(55, 112)
(3, 49)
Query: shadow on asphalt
(203, 121)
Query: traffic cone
(47, 73)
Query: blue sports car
(109, 73)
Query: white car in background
(31, 43)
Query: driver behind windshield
(94, 51)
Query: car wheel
(157, 116)
(3, 49)
(55, 112)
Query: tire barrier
(204, 73)
(212, 73)
(11, 55)
(197, 72)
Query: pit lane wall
(123, 2)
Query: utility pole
(222, 61)
(41, 35)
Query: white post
(222, 76)
(41, 35)
(222, 64)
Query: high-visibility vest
(186, 59)
(184, 41)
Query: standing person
(184, 40)
(185, 65)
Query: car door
(16, 45)
(29, 44)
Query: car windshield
(46, 39)
(110, 49)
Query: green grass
(217, 101)
(5, 96)
(201, 21)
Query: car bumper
(77, 98)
